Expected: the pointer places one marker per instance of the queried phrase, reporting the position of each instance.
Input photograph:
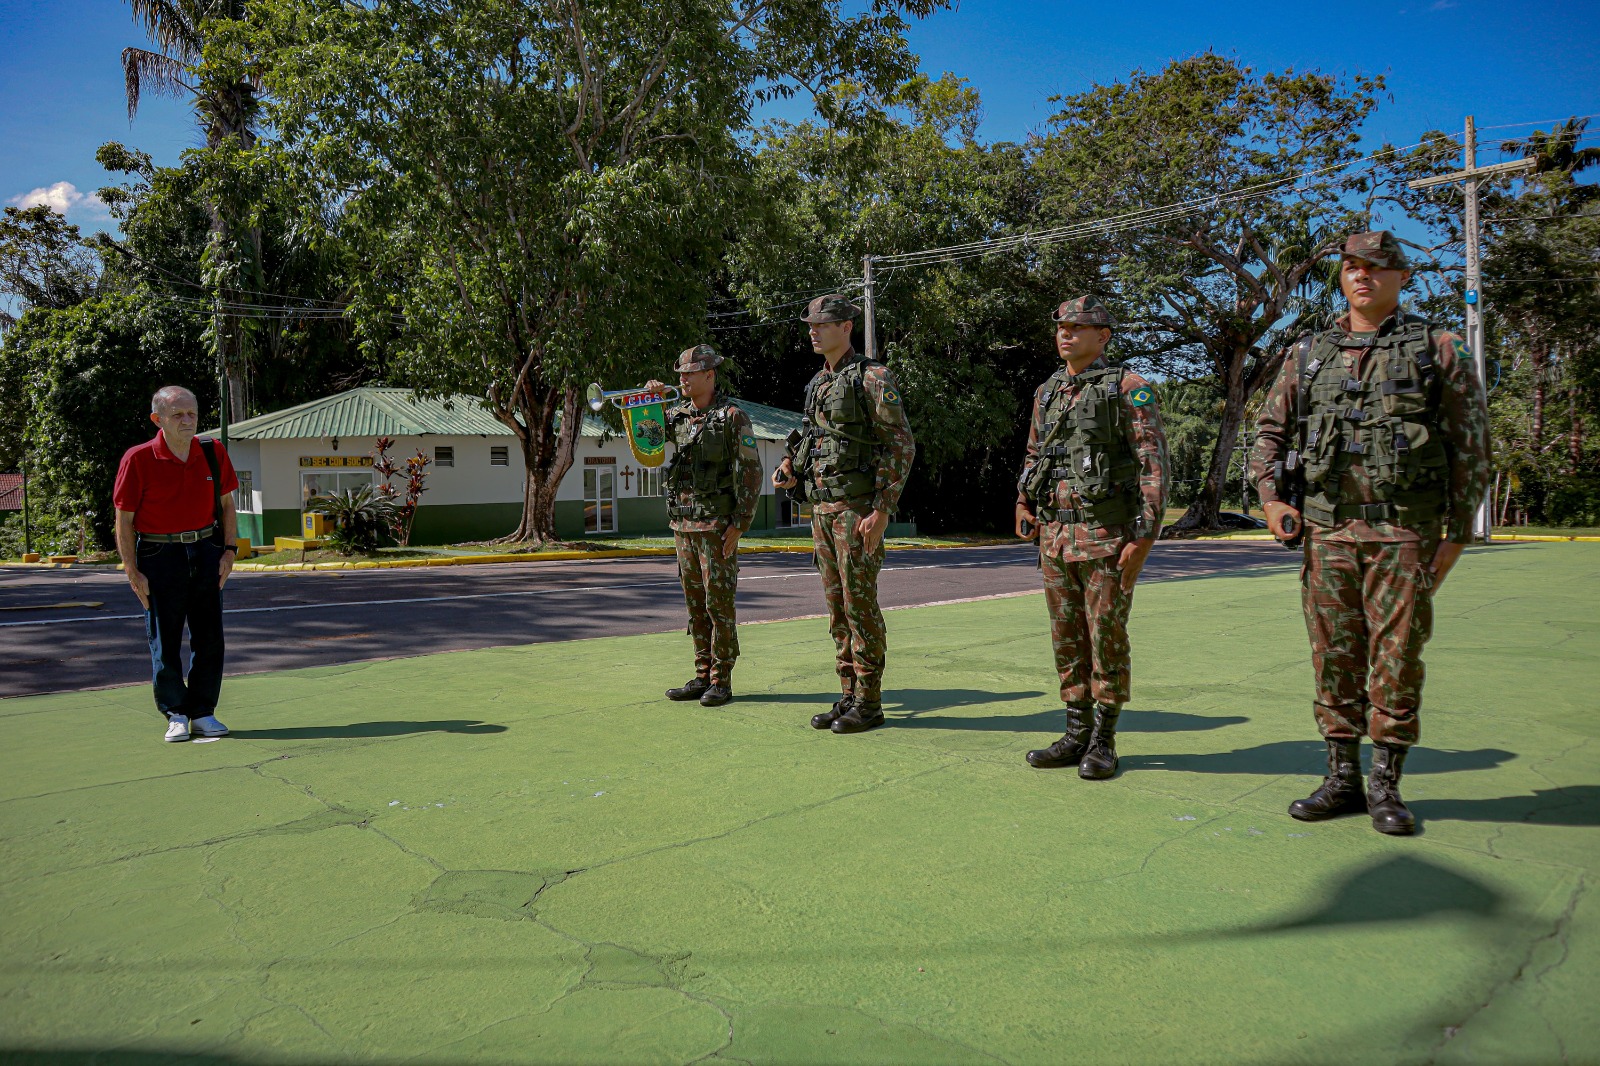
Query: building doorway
(599, 499)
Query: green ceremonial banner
(645, 414)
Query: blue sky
(61, 93)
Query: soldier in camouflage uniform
(1093, 488)
(853, 464)
(1386, 420)
(713, 485)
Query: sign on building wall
(335, 460)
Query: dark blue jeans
(183, 588)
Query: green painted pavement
(524, 855)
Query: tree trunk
(1538, 358)
(1575, 435)
(1202, 513)
(546, 455)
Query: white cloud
(61, 198)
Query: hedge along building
(475, 483)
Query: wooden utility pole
(869, 307)
(1471, 174)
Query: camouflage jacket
(747, 479)
(887, 415)
(1463, 420)
(1079, 541)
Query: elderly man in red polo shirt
(176, 533)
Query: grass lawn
(526, 855)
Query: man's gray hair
(167, 395)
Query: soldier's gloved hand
(1027, 525)
(1131, 561)
(783, 477)
(1277, 511)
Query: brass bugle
(599, 396)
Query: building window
(651, 481)
(792, 513)
(244, 497)
(314, 483)
(500, 455)
(444, 455)
(600, 499)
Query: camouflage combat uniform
(860, 453)
(714, 481)
(1097, 444)
(1082, 582)
(1396, 456)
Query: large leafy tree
(226, 101)
(967, 338)
(540, 188)
(1254, 171)
(78, 383)
(43, 261)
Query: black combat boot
(1389, 812)
(1069, 749)
(1340, 792)
(828, 717)
(862, 716)
(690, 690)
(720, 692)
(1100, 758)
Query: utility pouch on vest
(1322, 445)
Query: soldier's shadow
(904, 704)
(1052, 719)
(1303, 757)
(1575, 805)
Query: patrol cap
(831, 308)
(1083, 311)
(1377, 247)
(700, 357)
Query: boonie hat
(700, 357)
(1083, 311)
(1377, 247)
(830, 308)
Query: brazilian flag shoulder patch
(748, 441)
(1461, 348)
(1142, 395)
(890, 396)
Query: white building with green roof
(475, 482)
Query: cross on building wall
(627, 474)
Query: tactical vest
(843, 453)
(1092, 452)
(1387, 420)
(703, 464)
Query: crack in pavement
(1557, 934)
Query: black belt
(190, 537)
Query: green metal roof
(386, 412)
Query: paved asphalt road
(285, 620)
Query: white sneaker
(177, 728)
(209, 727)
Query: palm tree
(226, 110)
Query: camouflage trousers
(850, 586)
(1369, 611)
(709, 583)
(1088, 628)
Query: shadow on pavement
(114, 1057)
(1053, 719)
(358, 730)
(912, 701)
(1397, 890)
(1308, 757)
(1576, 805)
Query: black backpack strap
(208, 446)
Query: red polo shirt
(165, 493)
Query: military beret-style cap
(1083, 311)
(1377, 247)
(831, 308)
(700, 357)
